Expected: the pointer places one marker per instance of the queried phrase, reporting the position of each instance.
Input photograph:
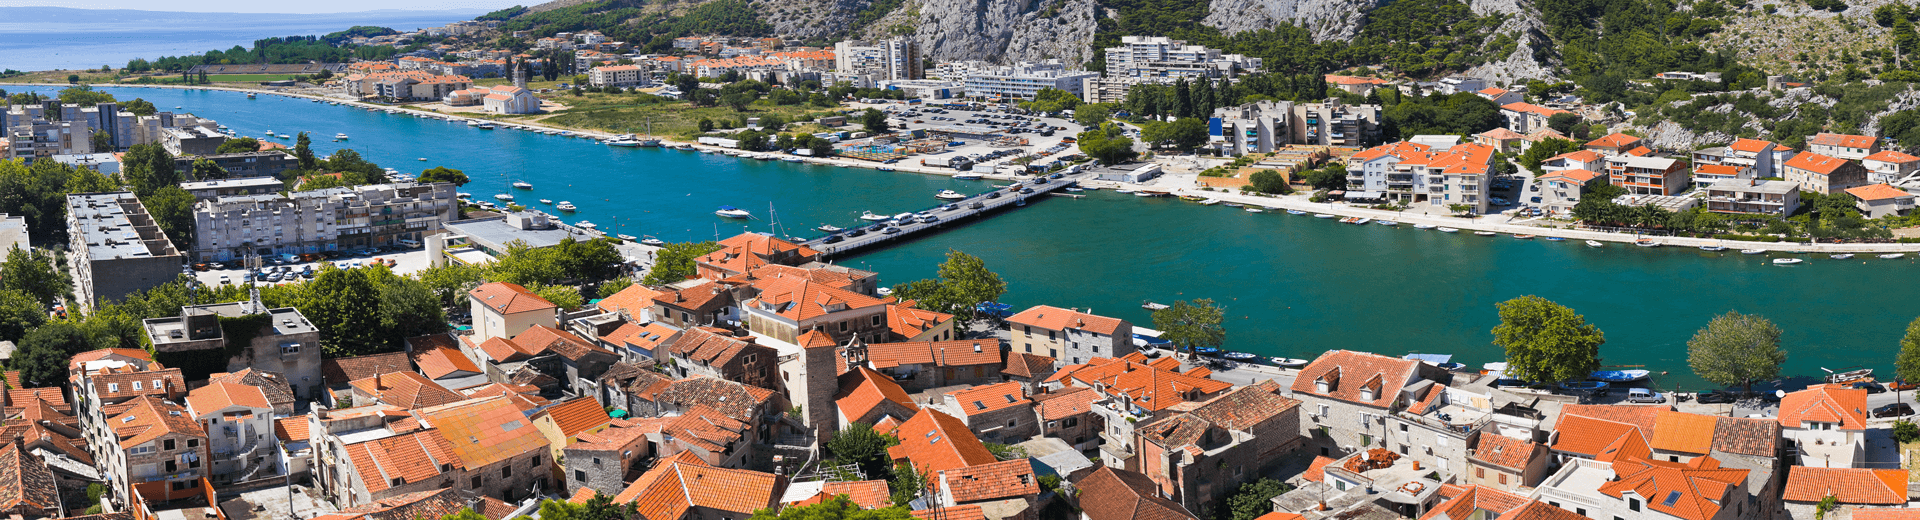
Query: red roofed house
(1890, 166)
(440, 359)
(27, 487)
(602, 460)
(1824, 174)
(1132, 392)
(1828, 423)
(1850, 487)
(146, 443)
(1504, 140)
(1008, 489)
(1490, 503)
(935, 442)
(1071, 336)
(1506, 463)
(1614, 144)
(921, 365)
(998, 413)
(1575, 160)
(868, 494)
(1111, 493)
(482, 446)
(504, 310)
(1645, 175)
(1500, 96)
(1354, 84)
(1706, 174)
(1634, 487)
(1607, 432)
(748, 251)
(239, 425)
(1351, 393)
(1751, 157)
(1067, 414)
(1200, 456)
(1563, 188)
(564, 422)
(1881, 200)
(911, 323)
(684, 488)
(1528, 118)
(1844, 146)
(867, 397)
(716, 353)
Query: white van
(408, 243)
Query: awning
(1430, 358)
(618, 414)
(1366, 195)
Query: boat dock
(1009, 198)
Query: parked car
(835, 239)
(1893, 410)
(1642, 395)
(1715, 397)
(1869, 386)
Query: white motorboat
(1290, 362)
(870, 217)
(829, 228)
(1891, 256)
(1123, 190)
(586, 225)
(1595, 243)
(1209, 202)
(1753, 251)
(1485, 233)
(1646, 242)
(485, 126)
(1424, 226)
(546, 201)
(1386, 222)
(503, 196)
(949, 195)
(522, 185)
(653, 241)
(1323, 215)
(1841, 256)
(342, 137)
(1448, 230)
(1786, 261)
(422, 158)
(628, 238)
(471, 122)
(269, 133)
(1256, 210)
(565, 206)
(465, 195)
(1714, 249)
(732, 212)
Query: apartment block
(1068, 335)
(1844, 146)
(1648, 175)
(897, 58)
(1024, 80)
(1753, 197)
(1159, 56)
(286, 344)
(117, 248)
(1824, 174)
(313, 221)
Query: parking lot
(405, 262)
(1008, 120)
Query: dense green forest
(623, 20)
(1414, 37)
(291, 49)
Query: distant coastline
(56, 38)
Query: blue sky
(257, 6)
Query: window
(1403, 427)
(596, 461)
(1673, 497)
(476, 482)
(580, 475)
(536, 461)
(1073, 421)
(1013, 423)
(1633, 504)
(113, 387)
(506, 471)
(193, 443)
(171, 467)
(876, 319)
(1051, 336)
(166, 445)
(1479, 472)
(843, 326)
(136, 386)
(1503, 480)
(1580, 511)
(289, 348)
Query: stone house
(1111, 493)
(1068, 415)
(1348, 396)
(340, 373)
(605, 460)
(438, 356)
(1843, 146)
(407, 390)
(504, 310)
(702, 305)
(716, 353)
(1027, 369)
(149, 445)
(1070, 336)
(1505, 463)
(909, 322)
(685, 488)
(933, 442)
(620, 387)
(746, 252)
(1823, 174)
(1200, 456)
(760, 409)
(922, 365)
(999, 413)
(1132, 392)
(564, 422)
(30, 491)
(1010, 488)
(482, 446)
(867, 397)
(787, 307)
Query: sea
(1292, 285)
(50, 38)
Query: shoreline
(1481, 223)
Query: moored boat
(1556, 239)
(1786, 261)
(1891, 256)
(586, 225)
(1424, 226)
(1523, 237)
(1447, 230)
(565, 206)
(870, 217)
(1149, 305)
(949, 195)
(342, 137)
(1239, 356)
(653, 242)
(1363, 220)
(503, 196)
(1485, 233)
(522, 185)
(1290, 362)
(1619, 376)
(1295, 212)
(1713, 248)
(1841, 256)
(1753, 251)
(1584, 386)
(546, 201)
(968, 176)
(1322, 215)
(732, 212)
(1386, 222)
(1256, 210)
(829, 228)
(628, 238)
(1646, 242)
(1595, 243)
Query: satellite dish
(1780, 393)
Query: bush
(1905, 432)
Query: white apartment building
(239, 425)
(1413, 172)
(106, 117)
(1024, 80)
(623, 76)
(1160, 56)
(320, 220)
(898, 58)
(1257, 127)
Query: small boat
(342, 137)
(1386, 222)
(585, 225)
(968, 176)
(628, 238)
(1209, 202)
(1123, 190)
(1786, 261)
(1595, 243)
(1584, 386)
(1290, 362)
(249, 95)
(1322, 215)
(790, 159)
(1556, 239)
(1892, 256)
(1522, 237)
(465, 195)
(1841, 256)
(829, 228)
(522, 185)
(1020, 203)
(269, 132)
(471, 122)
(1239, 356)
(653, 242)
(1349, 220)
(422, 158)
(1206, 351)
(1848, 375)
(1363, 220)
(1075, 190)
(1448, 230)
(949, 195)
(885, 168)
(870, 217)
(1256, 210)
(1295, 212)
(565, 206)
(1619, 376)
(1485, 233)
(1713, 248)
(546, 201)
(1646, 242)
(1148, 305)
(622, 142)
(485, 126)
(1232, 204)
(732, 212)
(1424, 226)
(503, 196)
(1753, 251)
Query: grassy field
(247, 78)
(624, 113)
(60, 77)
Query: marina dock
(1009, 199)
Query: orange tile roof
(1816, 163)
(954, 353)
(1886, 514)
(1583, 156)
(1401, 149)
(1348, 372)
(484, 431)
(1316, 470)
(1639, 151)
(1476, 498)
(706, 428)
(1493, 91)
(647, 336)
(1055, 318)
(1878, 192)
(869, 494)
(105, 353)
(291, 429)
(959, 512)
(1503, 451)
(1353, 80)
(1597, 438)
(1642, 416)
(629, 301)
(1892, 156)
(935, 442)
(541, 339)
(1616, 141)
(576, 415)
(1501, 133)
(1698, 488)
(1718, 169)
(1028, 365)
(1276, 515)
(863, 389)
(748, 251)
(994, 481)
(216, 397)
(146, 418)
(1064, 403)
(1532, 109)
(442, 358)
(1750, 145)
(408, 458)
(1846, 407)
(677, 484)
(1149, 387)
(509, 298)
(406, 390)
(1577, 176)
(1111, 493)
(907, 321)
(711, 348)
(828, 277)
(697, 297)
(990, 398)
(1841, 140)
(801, 299)
(1849, 485)
(1683, 432)
(341, 371)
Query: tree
(706, 125)
(1906, 364)
(73, 79)
(1564, 122)
(1252, 500)
(564, 296)
(1092, 114)
(172, 210)
(303, 150)
(444, 174)
(43, 353)
(238, 145)
(600, 507)
(964, 283)
(148, 167)
(336, 301)
(1545, 149)
(1546, 341)
(674, 262)
(874, 121)
(840, 507)
(1332, 177)
(907, 483)
(19, 313)
(1192, 324)
(1736, 349)
(860, 444)
(1182, 134)
(739, 101)
(100, 141)
(32, 272)
(1099, 144)
(1269, 181)
(1051, 100)
(207, 170)
(140, 107)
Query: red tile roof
(1598, 438)
(1841, 140)
(217, 397)
(26, 483)
(1149, 387)
(1878, 192)
(990, 398)
(1020, 364)
(629, 301)
(1846, 407)
(1859, 486)
(863, 389)
(291, 429)
(1718, 169)
(484, 431)
(1892, 156)
(147, 418)
(507, 298)
(408, 458)
(1476, 498)
(1615, 140)
(1503, 451)
(1353, 80)
(677, 484)
(1064, 403)
(954, 353)
(1117, 494)
(1577, 176)
(711, 348)
(959, 512)
(1055, 318)
(935, 442)
(1582, 156)
(576, 415)
(1684, 432)
(1750, 145)
(1886, 514)
(441, 357)
(1533, 109)
(1347, 372)
(1816, 163)
(908, 321)
(341, 371)
(406, 390)
(748, 251)
(123, 354)
(1697, 488)
(1402, 149)
(1316, 470)
(995, 481)
(868, 494)
(802, 299)
(1642, 416)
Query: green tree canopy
(1182, 134)
(19, 313)
(1093, 114)
(860, 444)
(874, 121)
(1192, 324)
(1102, 145)
(964, 282)
(1051, 100)
(32, 272)
(1252, 500)
(239, 145)
(674, 262)
(1546, 341)
(838, 508)
(1906, 364)
(1736, 349)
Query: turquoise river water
(1292, 285)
